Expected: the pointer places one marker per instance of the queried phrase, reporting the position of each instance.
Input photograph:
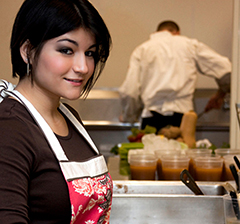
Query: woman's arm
(15, 166)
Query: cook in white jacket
(162, 76)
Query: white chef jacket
(163, 72)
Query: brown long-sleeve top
(32, 186)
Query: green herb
(114, 150)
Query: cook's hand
(120, 118)
(216, 101)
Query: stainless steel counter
(167, 202)
(101, 125)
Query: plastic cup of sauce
(194, 153)
(172, 166)
(227, 161)
(208, 168)
(159, 154)
(143, 166)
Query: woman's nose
(80, 65)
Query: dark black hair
(168, 25)
(40, 20)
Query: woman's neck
(46, 105)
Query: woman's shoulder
(18, 126)
(13, 111)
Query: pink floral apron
(89, 183)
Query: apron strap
(78, 125)
(49, 134)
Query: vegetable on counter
(123, 148)
(170, 132)
(137, 134)
(185, 133)
(188, 128)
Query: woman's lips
(75, 81)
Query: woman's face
(65, 64)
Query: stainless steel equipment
(166, 202)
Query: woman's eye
(66, 51)
(90, 53)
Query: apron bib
(89, 183)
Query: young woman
(51, 171)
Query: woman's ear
(25, 51)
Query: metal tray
(166, 202)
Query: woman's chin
(72, 97)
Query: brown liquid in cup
(159, 169)
(227, 174)
(191, 167)
(142, 172)
(171, 173)
(208, 174)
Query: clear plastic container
(198, 152)
(229, 212)
(227, 161)
(193, 153)
(172, 166)
(143, 167)
(222, 152)
(208, 168)
(159, 154)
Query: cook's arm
(212, 64)
(216, 101)
(129, 91)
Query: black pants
(159, 121)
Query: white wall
(8, 10)
(131, 21)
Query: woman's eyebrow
(92, 46)
(69, 40)
(75, 43)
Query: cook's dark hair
(40, 20)
(168, 25)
